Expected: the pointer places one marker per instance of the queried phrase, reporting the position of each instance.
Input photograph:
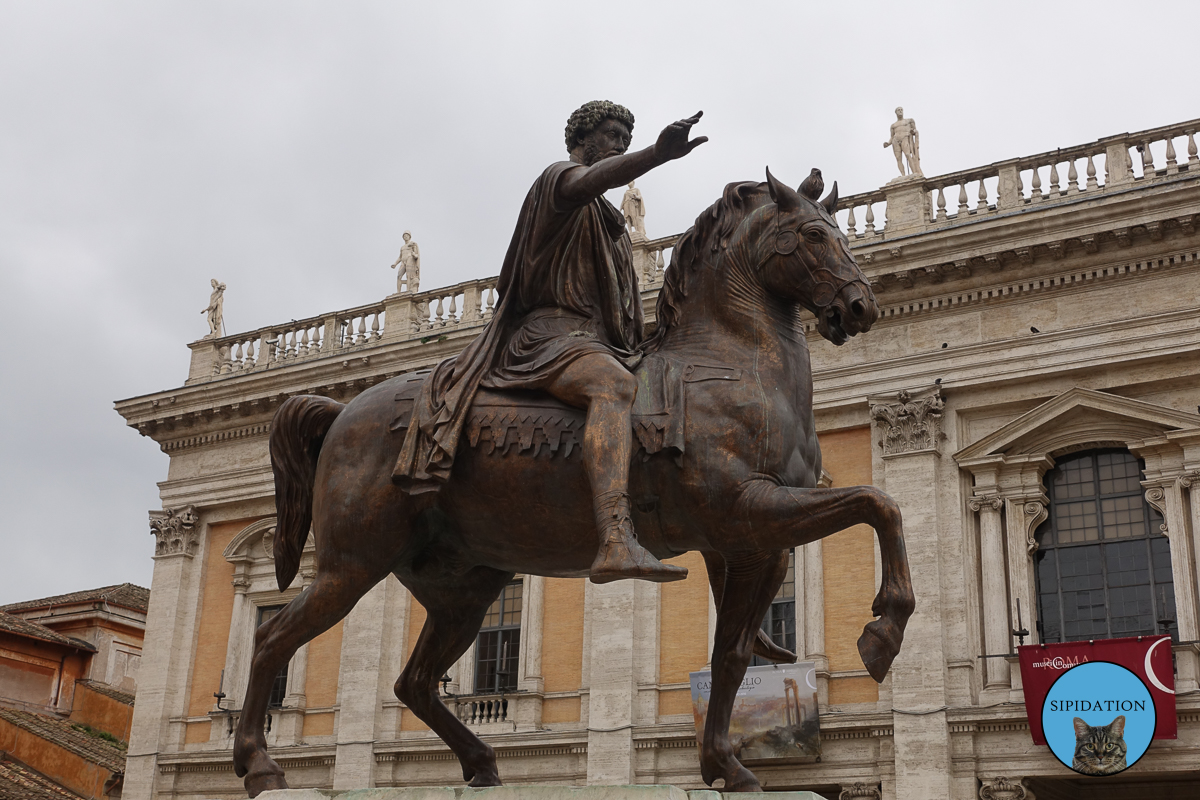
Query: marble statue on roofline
(215, 309)
(634, 209)
(408, 278)
(905, 143)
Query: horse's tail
(297, 433)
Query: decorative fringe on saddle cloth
(535, 424)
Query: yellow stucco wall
(562, 647)
(848, 557)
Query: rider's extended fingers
(694, 143)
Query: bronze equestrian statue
(718, 442)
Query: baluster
(1035, 191)
(1193, 159)
(851, 225)
(869, 226)
(223, 356)
(375, 330)
(1147, 160)
(314, 340)
(1091, 173)
(237, 357)
(941, 206)
(451, 319)
(1054, 180)
(1172, 168)
(982, 206)
(436, 319)
(251, 358)
(962, 200)
(1072, 179)
(488, 304)
(659, 266)
(289, 339)
(302, 345)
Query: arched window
(1103, 564)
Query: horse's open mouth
(830, 326)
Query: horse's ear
(813, 185)
(830, 201)
(783, 195)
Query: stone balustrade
(482, 709)
(1104, 166)
(1096, 167)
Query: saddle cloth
(534, 423)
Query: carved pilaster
(175, 532)
(995, 588)
(858, 790)
(912, 423)
(1001, 788)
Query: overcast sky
(284, 147)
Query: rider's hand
(673, 141)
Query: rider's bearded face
(609, 138)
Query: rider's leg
(599, 383)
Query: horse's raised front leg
(329, 598)
(782, 517)
(455, 608)
(751, 581)
(714, 562)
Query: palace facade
(1029, 396)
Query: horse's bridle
(823, 291)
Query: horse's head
(806, 259)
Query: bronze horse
(741, 486)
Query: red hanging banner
(1148, 657)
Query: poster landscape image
(774, 715)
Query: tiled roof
(19, 782)
(109, 691)
(24, 627)
(127, 595)
(88, 746)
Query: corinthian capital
(860, 791)
(1001, 788)
(175, 531)
(910, 423)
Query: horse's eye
(813, 236)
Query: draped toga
(567, 289)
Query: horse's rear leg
(455, 610)
(751, 581)
(329, 598)
(781, 516)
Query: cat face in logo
(1099, 749)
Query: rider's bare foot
(620, 555)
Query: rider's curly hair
(588, 117)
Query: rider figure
(569, 322)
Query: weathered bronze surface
(720, 449)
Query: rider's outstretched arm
(588, 183)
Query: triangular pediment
(1079, 416)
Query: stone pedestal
(661, 792)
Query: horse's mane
(708, 235)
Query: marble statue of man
(216, 308)
(905, 143)
(634, 209)
(409, 261)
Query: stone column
(813, 612)
(529, 708)
(170, 621)
(611, 683)
(358, 687)
(995, 589)
(908, 431)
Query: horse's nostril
(858, 308)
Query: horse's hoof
(743, 781)
(876, 651)
(259, 782)
(765, 648)
(485, 778)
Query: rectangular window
(498, 648)
(279, 687)
(780, 620)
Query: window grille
(498, 648)
(1103, 564)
